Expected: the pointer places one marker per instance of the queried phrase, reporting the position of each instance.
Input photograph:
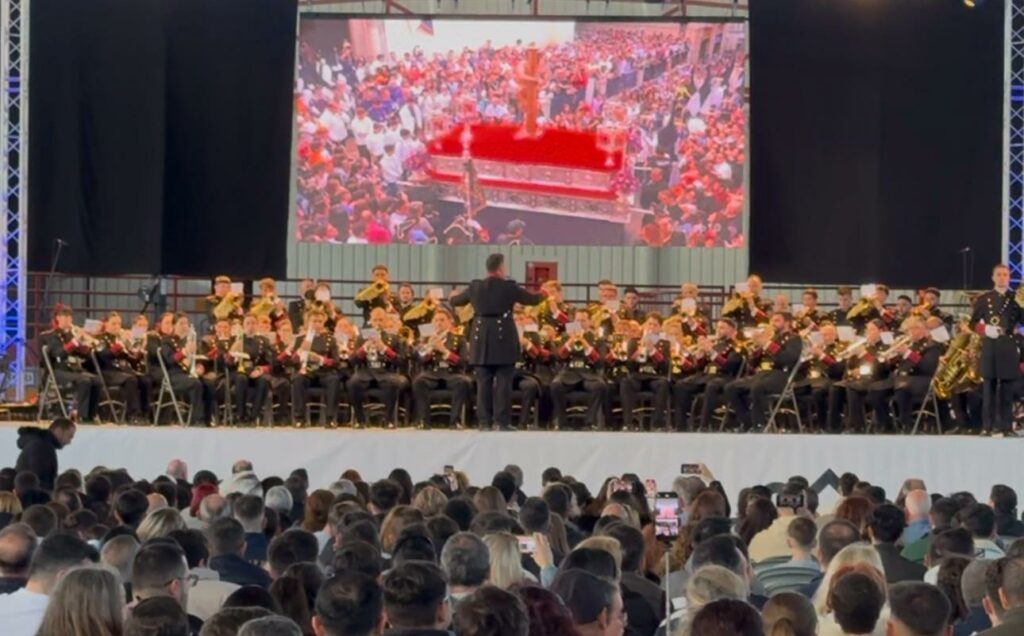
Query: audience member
(248, 511)
(466, 562)
(415, 597)
(349, 604)
(208, 592)
(917, 505)
(270, 626)
(39, 448)
(227, 542)
(980, 521)
(789, 614)
(228, 621)
(727, 617)
(17, 545)
(595, 603)
(856, 600)
(156, 616)
(972, 585)
(885, 527)
(490, 611)
(118, 554)
(918, 609)
(1008, 619)
(833, 537)
(1003, 501)
(21, 612)
(87, 601)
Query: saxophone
(958, 369)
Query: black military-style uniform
(297, 311)
(381, 300)
(708, 376)
(260, 355)
(748, 396)
(810, 318)
(648, 371)
(558, 317)
(171, 350)
(67, 356)
(494, 343)
(838, 317)
(887, 315)
(439, 372)
(320, 373)
(376, 369)
(284, 365)
(117, 365)
(616, 371)
(532, 374)
(911, 377)
(745, 317)
(211, 302)
(580, 371)
(220, 377)
(866, 377)
(630, 313)
(816, 379)
(999, 358)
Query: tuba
(958, 369)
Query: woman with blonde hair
(851, 555)
(708, 584)
(430, 501)
(159, 524)
(506, 563)
(87, 601)
(789, 614)
(490, 499)
(400, 517)
(10, 504)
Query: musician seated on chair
(748, 308)
(223, 303)
(629, 309)
(297, 308)
(177, 351)
(694, 318)
(269, 303)
(533, 369)
(819, 370)
(648, 371)
(865, 374)
(839, 315)
(706, 368)
(553, 310)
(914, 364)
(253, 353)
(118, 353)
(440, 358)
(316, 352)
(811, 316)
(774, 354)
(378, 358)
(214, 365)
(284, 365)
(582, 354)
(616, 361)
(68, 348)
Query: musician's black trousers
(87, 388)
(997, 405)
(494, 394)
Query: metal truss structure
(1015, 143)
(13, 244)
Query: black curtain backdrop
(876, 140)
(160, 135)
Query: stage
(946, 464)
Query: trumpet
(229, 304)
(851, 349)
(421, 309)
(83, 337)
(890, 353)
(371, 292)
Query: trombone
(371, 292)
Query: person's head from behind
(918, 609)
(349, 604)
(598, 562)
(228, 621)
(130, 507)
(490, 611)
(713, 582)
(595, 602)
(631, 541)
(1011, 589)
(87, 600)
(157, 616)
(948, 543)
(789, 614)
(227, 536)
(119, 554)
(833, 537)
(415, 596)
(886, 523)
(721, 550)
(54, 557)
(496, 264)
(979, 520)
(17, 545)
(466, 561)
(856, 599)
(270, 626)
(801, 536)
(358, 556)
(293, 546)
(160, 569)
(727, 617)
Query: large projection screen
(520, 132)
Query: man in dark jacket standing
(39, 448)
(494, 340)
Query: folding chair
(443, 407)
(166, 397)
(51, 390)
(118, 408)
(929, 407)
(787, 394)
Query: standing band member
(996, 314)
(494, 339)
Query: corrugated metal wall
(577, 264)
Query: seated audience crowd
(108, 553)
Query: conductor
(494, 340)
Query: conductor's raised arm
(463, 297)
(526, 297)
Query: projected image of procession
(520, 132)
